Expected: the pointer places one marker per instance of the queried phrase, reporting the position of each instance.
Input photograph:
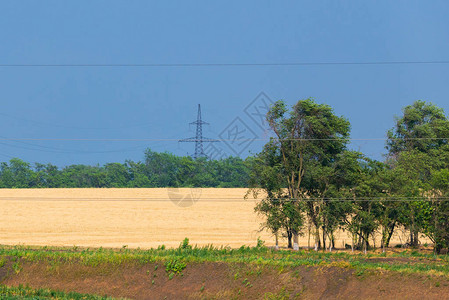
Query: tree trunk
(324, 239)
(352, 242)
(359, 242)
(289, 239)
(390, 234)
(277, 241)
(317, 238)
(295, 242)
(308, 241)
(415, 238)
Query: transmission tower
(199, 139)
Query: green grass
(177, 259)
(20, 292)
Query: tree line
(313, 184)
(308, 181)
(156, 170)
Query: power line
(46, 124)
(274, 64)
(231, 200)
(232, 139)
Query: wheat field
(141, 217)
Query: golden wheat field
(141, 217)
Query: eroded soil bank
(216, 280)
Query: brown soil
(225, 281)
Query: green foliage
(283, 294)
(21, 292)
(295, 168)
(306, 165)
(157, 170)
(175, 266)
(252, 258)
(185, 244)
(423, 126)
(419, 159)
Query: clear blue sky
(158, 102)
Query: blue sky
(157, 103)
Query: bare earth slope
(226, 281)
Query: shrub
(175, 266)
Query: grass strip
(21, 292)
(414, 262)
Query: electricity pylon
(199, 139)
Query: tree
(283, 215)
(307, 140)
(17, 174)
(436, 211)
(423, 126)
(116, 175)
(420, 133)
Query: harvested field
(134, 217)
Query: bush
(175, 266)
(185, 244)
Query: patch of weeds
(437, 284)
(246, 282)
(171, 275)
(296, 274)
(175, 266)
(16, 267)
(202, 288)
(281, 269)
(281, 295)
(260, 243)
(22, 292)
(185, 244)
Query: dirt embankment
(223, 281)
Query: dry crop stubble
(134, 217)
(142, 218)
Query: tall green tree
(307, 140)
(283, 215)
(436, 211)
(419, 135)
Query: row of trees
(157, 170)
(312, 182)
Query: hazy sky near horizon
(150, 106)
